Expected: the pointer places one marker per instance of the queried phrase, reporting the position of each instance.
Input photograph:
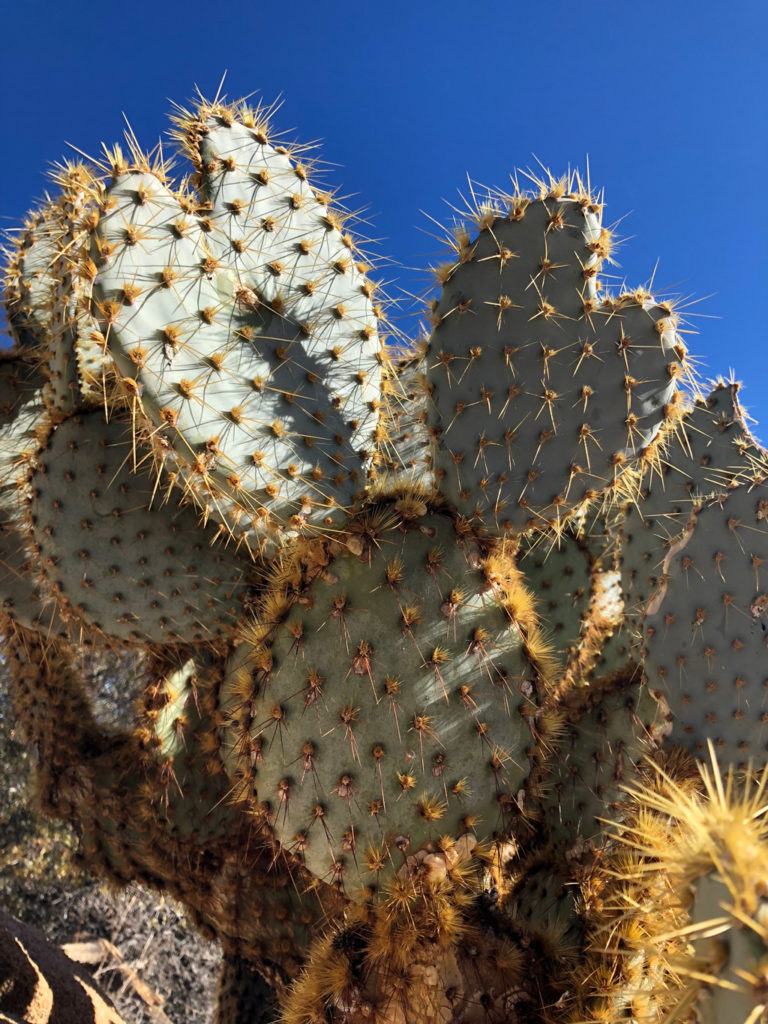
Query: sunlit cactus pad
(28, 281)
(242, 316)
(541, 390)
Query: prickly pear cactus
(398, 699)
(121, 558)
(431, 640)
(527, 285)
(706, 627)
(241, 319)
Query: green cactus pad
(246, 325)
(153, 804)
(710, 452)
(706, 631)
(618, 656)
(559, 571)
(47, 295)
(677, 905)
(28, 280)
(194, 799)
(77, 363)
(20, 595)
(542, 392)
(579, 599)
(404, 449)
(733, 947)
(614, 646)
(542, 903)
(22, 415)
(19, 442)
(397, 701)
(608, 731)
(164, 814)
(117, 558)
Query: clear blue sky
(667, 99)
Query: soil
(161, 972)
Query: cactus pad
(710, 452)
(245, 324)
(560, 575)
(117, 558)
(677, 908)
(28, 280)
(396, 701)
(608, 732)
(541, 392)
(706, 634)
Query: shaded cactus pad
(396, 701)
(118, 558)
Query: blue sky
(666, 99)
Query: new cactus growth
(430, 638)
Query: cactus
(706, 627)
(430, 638)
(712, 453)
(120, 558)
(364, 718)
(531, 384)
(242, 317)
(681, 886)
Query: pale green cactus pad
(706, 631)
(560, 574)
(608, 732)
(73, 343)
(711, 452)
(246, 326)
(22, 415)
(119, 558)
(396, 703)
(21, 595)
(28, 280)
(733, 946)
(404, 449)
(47, 297)
(542, 391)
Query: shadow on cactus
(427, 636)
